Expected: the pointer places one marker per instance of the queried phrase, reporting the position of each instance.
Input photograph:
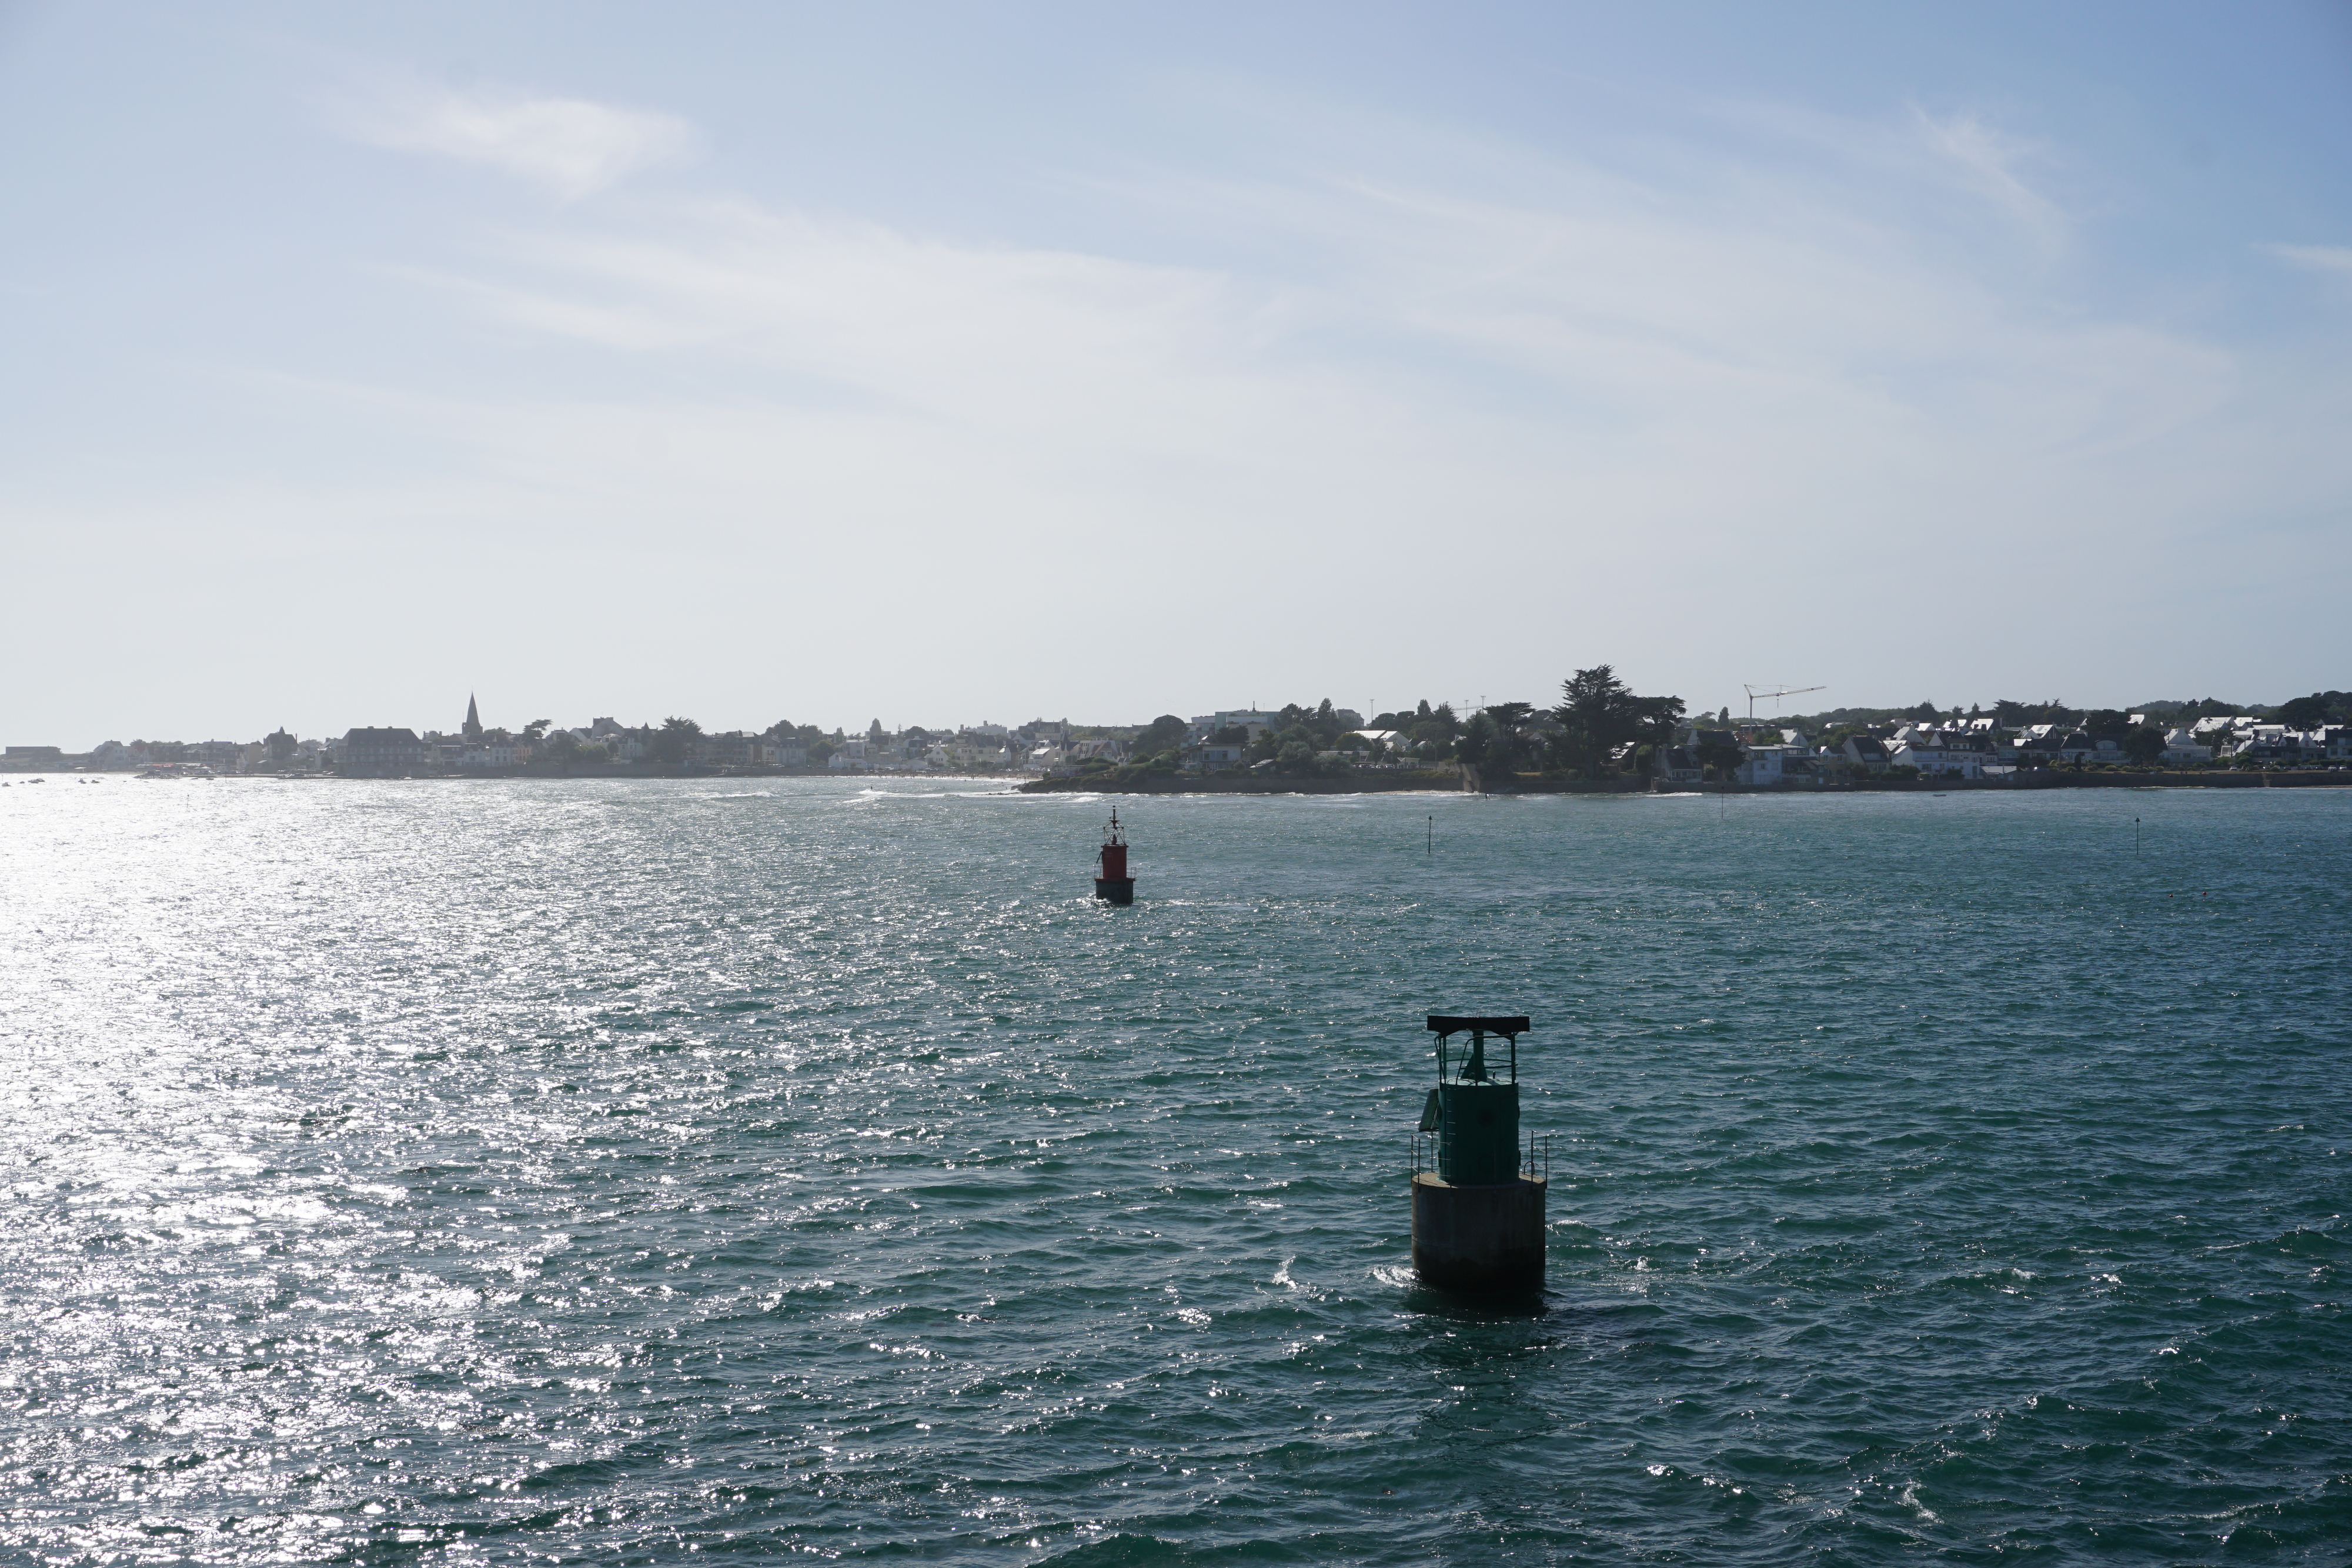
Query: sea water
(653, 1171)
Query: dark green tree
(674, 741)
(1477, 746)
(1164, 734)
(1511, 716)
(1433, 731)
(1598, 714)
(1510, 746)
(2301, 713)
(1656, 722)
(1720, 756)
(2144, 744)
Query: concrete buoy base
(1478, 1239)
(1115, 889)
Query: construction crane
(1775, 693)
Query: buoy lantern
(1477, 1217)
(1113, 885)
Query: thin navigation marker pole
(2135, 835)
(1432, 834)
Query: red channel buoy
(1113, 885)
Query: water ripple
(632, 1172)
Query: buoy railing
(1535, 1160)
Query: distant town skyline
(920, 359)
(1601, 730)
(470, 725)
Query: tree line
(1599, 727)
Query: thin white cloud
(1589, 374)
(1811, 365)
(1988, 160)
(1700, 318)
(569, 146)
(2333, 259)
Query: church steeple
(473, 719)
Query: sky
(941, 363)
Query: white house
(1866, 752)
(2180, 746)
(2053, 748)
(2267, 740)
(1679, 764)
(1932, 756)
(1255, 721)
(1936, 751)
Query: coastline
(2280, 778)
(1447, 781)
(1456, 781)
